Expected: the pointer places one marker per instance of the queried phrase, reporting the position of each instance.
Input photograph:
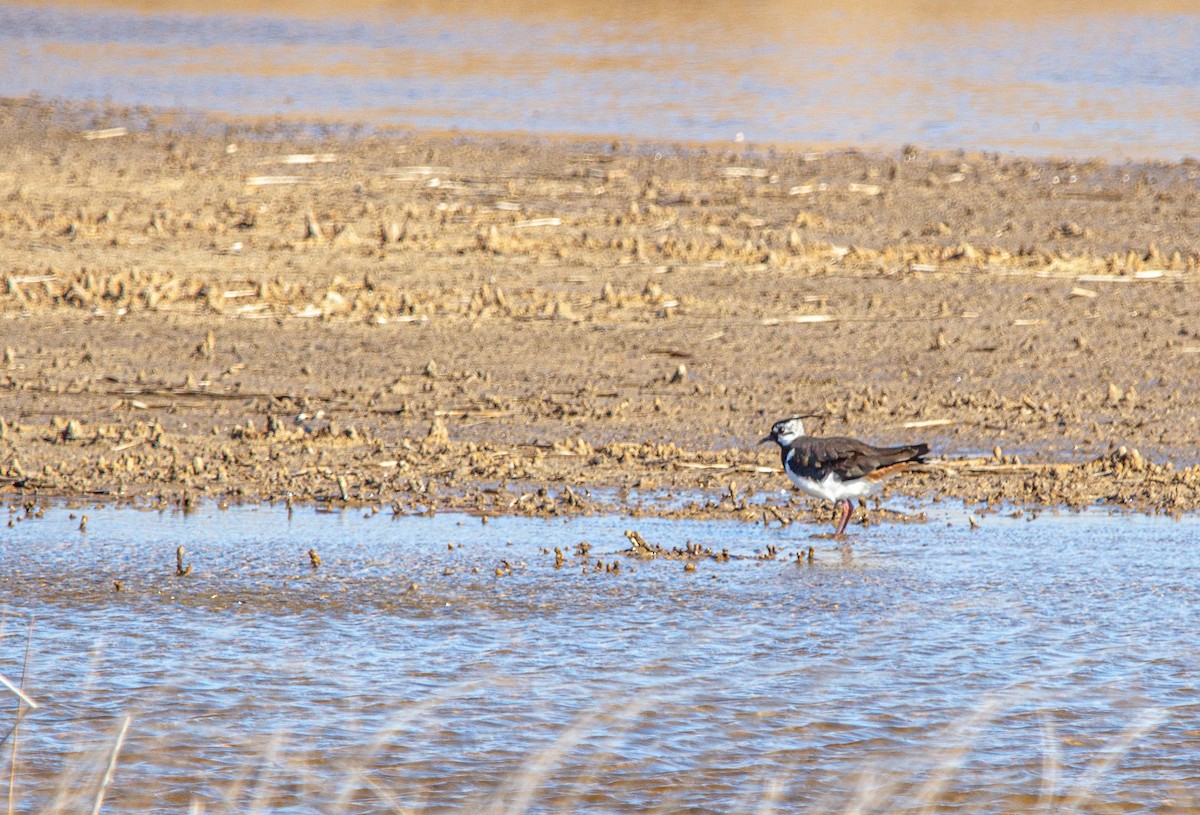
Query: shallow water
(1083, 78)
(1026, 666)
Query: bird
(838, 468)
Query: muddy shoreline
(529, 326)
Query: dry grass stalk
(111, 767)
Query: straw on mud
(1084, 789)
(112, 766)
(251, 791)
(962, 738)
(607, 747)
(385, 734)
(772, 795)
(891, 790)
(872, 793)
(260, 800)
(391, 802)
(1051, 764)
(520, 790)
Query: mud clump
(640, 548)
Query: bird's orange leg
(847, 510)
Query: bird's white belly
(830, 488)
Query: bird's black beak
(766, 439)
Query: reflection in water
(1083, 78)
(440, 663)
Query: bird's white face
(787, 430)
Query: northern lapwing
(837, 468)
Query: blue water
(1025, 666)
(1063, 79)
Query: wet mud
(238, 312)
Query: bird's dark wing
(849, 458)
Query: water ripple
(1029, 667)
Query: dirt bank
(245, 313)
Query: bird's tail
(895, 460)
(914, 453)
